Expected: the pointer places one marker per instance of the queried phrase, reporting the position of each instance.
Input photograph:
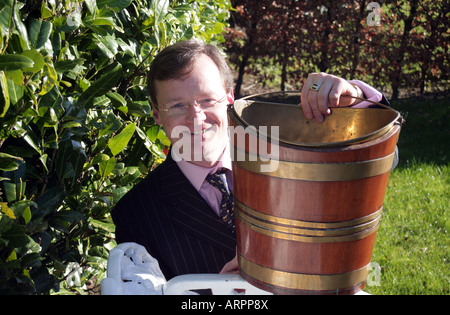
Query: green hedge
(76, 127)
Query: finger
(318, 99)
(313, 104)
(307, 111)
(343, 88)
(334, 94)
(231, 267)
(323, 97)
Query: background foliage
(76, 127)
(404, 44)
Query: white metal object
(219, 284)
(132, 271)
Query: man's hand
(322, 91)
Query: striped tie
(226, 211)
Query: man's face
(201, 135)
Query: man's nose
(195, 112)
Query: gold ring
(315, 87)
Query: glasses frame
(195, 103)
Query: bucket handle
(399, 120)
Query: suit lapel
(190, 210)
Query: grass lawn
(412, 248)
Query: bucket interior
(344, 125)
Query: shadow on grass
(425, 135)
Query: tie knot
(219, 181)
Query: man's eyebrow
(200, 96)
(175, 99)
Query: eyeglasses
(180, 109)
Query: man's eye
(178, 106)
(207, 102)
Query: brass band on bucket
(305, 231)
(326, 172)
(298, 281)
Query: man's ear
(156, 116)
(230, 97)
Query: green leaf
(68, 65)
(38, 60)
(15, 92)
(71, 124)
(160, 8)
(99, 21)
(99, 159)
(51, 78)
(16, 236)
(30, 137)
(116, 5)
(107, 45)
(70, 160)
(49, 201)
(116, 99)
(106, 167)
(119, 142)
(148, 143)
(8, 164)
(102, 85)
(91, 5)
(22, 208)
(14, 189)
(10, 20)
(5, 15)
(4, 96)
(43, 160)
(6, 155)
(15, 62)
(107, 226)
(27, 215)
(15, 76)
(39, 32)
(6, 210)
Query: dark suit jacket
(167, 215)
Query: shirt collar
(196, 174)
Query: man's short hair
(177, 60)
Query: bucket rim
(370, 136)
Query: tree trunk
(396, 74)
(356, 39)
(247, 52)
(240, 78)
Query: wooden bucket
(307, 223)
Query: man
(176, 211)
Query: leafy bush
(76, 127)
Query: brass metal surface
(298, 281)
(315, 171)
(306, 224)
(305, 235)
(343, 127)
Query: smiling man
(182, 212)
(193, 111)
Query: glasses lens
(182, 108)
